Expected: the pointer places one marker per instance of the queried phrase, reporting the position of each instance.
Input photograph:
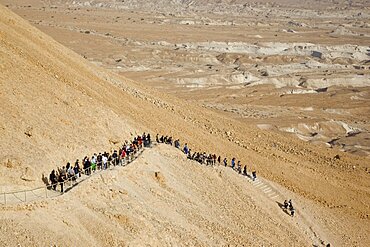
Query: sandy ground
(58, 106)
(281, 64)
(158, 200)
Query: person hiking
(177, 143)
(291, 208)
(219, 159)
(148, 140)
(87, 166)
(254, 176)
(245, 171)
(290, 203)
(144, 140)
(99, 161)
(123, 156)
(115, 159)
(128, 151)
(201, 158)
(189, 155)
(71, 173)
(239, 167)
(67, 168)
(93, 163)
(139, 142)
(157, 138)
(197, 157)
(62, 177)
(286, 204)
(208, 159)
(193, 157)
(233, 163)
(225, 162)
(53, 180)
(110, 160)
(105, 160)
(204, 157)
(186, 149)
(170, 141)
(76, 168)
(61, 182)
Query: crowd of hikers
(125, 154)
(288, 205)
(98, 161)
(212, 160)
(207, 159)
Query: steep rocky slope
(53, 105)
(58, 107)
(275, 66)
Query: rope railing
(48, 191)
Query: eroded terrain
(267, 84)
(298, 70)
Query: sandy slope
(58, 107)
(52, 103)
(241, 58)
(160, 199)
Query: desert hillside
(298, 68)
(57, 106)
(161, 199)
(53, 105)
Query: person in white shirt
(105, 161)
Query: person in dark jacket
(53, 180)
(254, 176)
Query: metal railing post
(4, 198)
(46, 192)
